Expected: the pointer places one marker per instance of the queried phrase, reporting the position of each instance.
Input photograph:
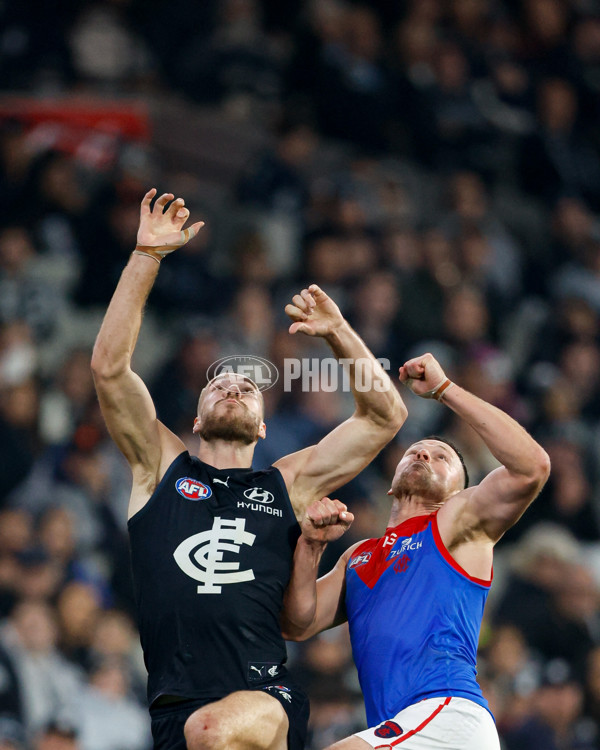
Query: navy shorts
(167, 721)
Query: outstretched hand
(423, 375)
(325, 521)
(161, 232)
(314, 313)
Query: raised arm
(311, 605)
(503, 496)
(379, 410)
(124, 399)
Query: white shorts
(436, 724)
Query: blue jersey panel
(414, 619)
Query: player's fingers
(308, 299)
(147, 200)
(327, 511)
(334, 507)
(414, 368)
(313, 510)
(174, 207)
(346, 519)
(317, 292)
(163, 200)
(301, 303)
(316, 517)
(295, 313)
(181, 216)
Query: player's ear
(262, 430)
(197, 425)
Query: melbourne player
(414, 598)
(212, 541)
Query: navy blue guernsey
(211, 555)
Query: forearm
(506, 439)
(300, 599)
(374, 393)
(120, 328)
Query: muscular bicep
(500, 500)
(319, 470)
(130, 417)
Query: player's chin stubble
(240, 428)
(417, 482)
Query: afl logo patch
(192, 489)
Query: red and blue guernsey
(414, 617)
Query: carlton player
(414, 598)
(212, 540)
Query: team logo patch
(192, 489)
(388, 729)
(401, 564)
(201, 556)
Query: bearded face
(230, 409)
(232, 424)
(418, 479)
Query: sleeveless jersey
(211, 556)
(414, 617)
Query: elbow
(294, 632)
(392, 417)
(297, 637)
(538, 473)
(542, 466)
(399, 415)
(397, 412)
(97, 364)
(103, 367)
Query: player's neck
(224, 454)
(411, 506)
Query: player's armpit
(320, 469)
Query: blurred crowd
(435, 166)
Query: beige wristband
(147, 254)
(441, 389)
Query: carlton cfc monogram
(201, 556)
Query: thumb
(192, 231)
(299, 328)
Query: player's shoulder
(459, 518)
(356, 549)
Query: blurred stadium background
(435, 166)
